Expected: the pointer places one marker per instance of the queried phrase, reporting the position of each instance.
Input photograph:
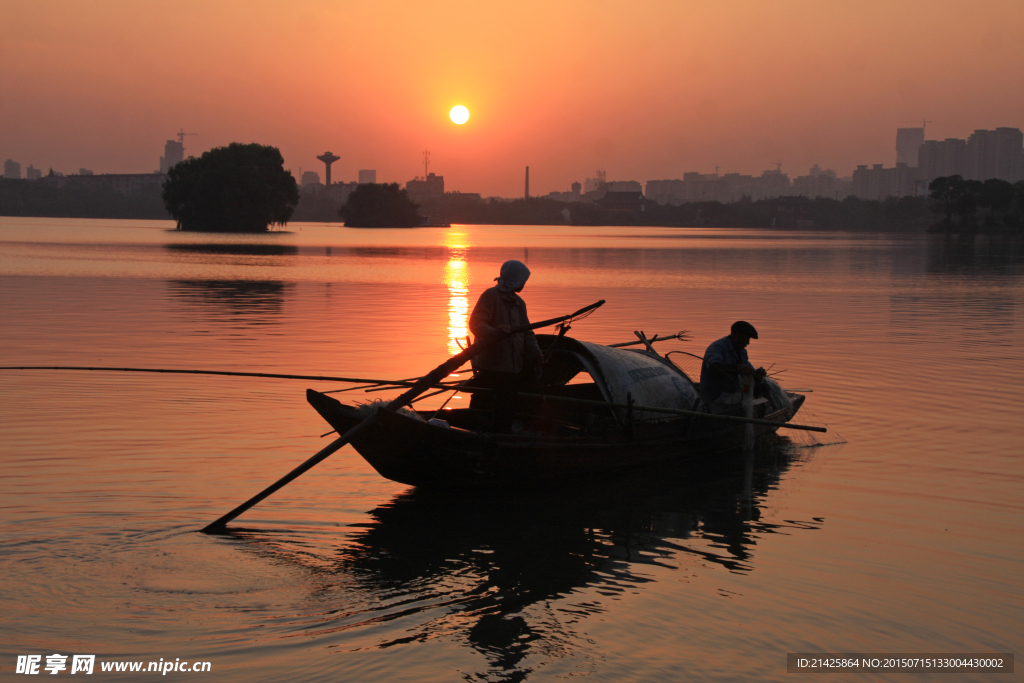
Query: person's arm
(715, 357)
(483, 313)
(531, 349)
(716, 360)
(745, 367)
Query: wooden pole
(681, 336)
(399, 383)
(309, 378)
(645, 341)
(424, 383)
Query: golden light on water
(456, 278)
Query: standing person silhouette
(511, 362)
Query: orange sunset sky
(642, 89)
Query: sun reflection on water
(456, 278)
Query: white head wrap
(514, 275)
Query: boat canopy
(647, 378)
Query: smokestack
(527, 182)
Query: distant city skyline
(564, 88)
(984, 154)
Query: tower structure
(527, 195)
(328, 159)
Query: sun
(459, 114)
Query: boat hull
(408, 450)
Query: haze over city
(645, 90)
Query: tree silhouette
(238, 188)
(952, 195)
(380, 206)
(997, 197)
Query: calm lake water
(905, 539)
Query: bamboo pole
(310, 378)
(645, 341)
(681, 336)
(424, 383)
(400, 383)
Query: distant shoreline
(908, 214)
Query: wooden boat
(556, 439)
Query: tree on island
(238, 188)
(380, 206)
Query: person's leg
(504, 402)
(499, 400)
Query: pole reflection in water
(517, 575)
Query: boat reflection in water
(498, 572)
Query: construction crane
(924, 123)
(181, 138)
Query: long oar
(310, 378)
(427, 381)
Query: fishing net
(687, 362)
(776, 395)
(798, 438)
(370, 408)
(579, 317)
(691, 364)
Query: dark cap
(743, 328)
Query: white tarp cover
(648, 380)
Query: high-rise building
(12, 170)
(908, 142)
(33, 173)
(818, 182)
(174, 153)
(623, 186)
(879, 183)
(995, 154)
(938, 158)
(310, 178)
(421, 189)
(367, 177)
(596, 183)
